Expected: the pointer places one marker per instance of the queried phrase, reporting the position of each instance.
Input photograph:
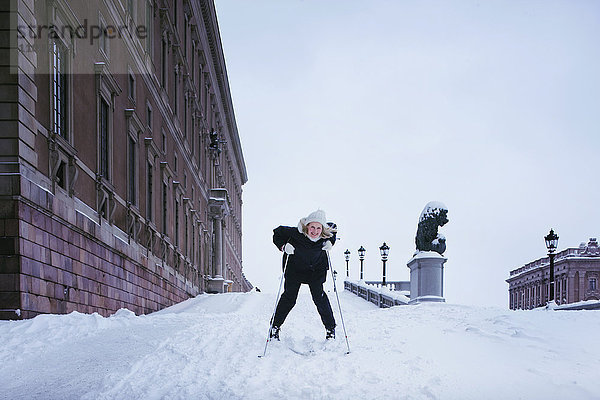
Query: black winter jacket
(308, 256)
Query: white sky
(371, 109)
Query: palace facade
(121, 168)
(576, 277)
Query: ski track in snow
(208, 347)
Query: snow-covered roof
(583, 252)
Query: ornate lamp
(551, 245)
(384, 250)
(347, 257)
(551, 241)
(361, 257)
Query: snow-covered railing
(382, 297)
(394, 286)
(581, 305)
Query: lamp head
(551, 241)
(385, 251)
(361, 253)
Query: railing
(394, 286)
(567, 253)
(382, 297)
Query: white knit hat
(315, 216)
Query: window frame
(135, 129)
(60, 115)
(104, 166)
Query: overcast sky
(371, 109)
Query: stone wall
(57, 260)
(106, 168)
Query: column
(218, 250)
(218, 209)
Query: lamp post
(361, 257)
(385, 250)
(551, 245)
(347, 256)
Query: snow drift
(207, 348)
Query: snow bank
(207, 348)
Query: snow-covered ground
(207, 348)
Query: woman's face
(314, 229)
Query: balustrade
(374, 293)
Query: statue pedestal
(427, 277)
(216, 285)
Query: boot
(274, 333)
(330, 333)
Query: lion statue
(434, 215)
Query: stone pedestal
(216, 285)
(427, 277)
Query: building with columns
(576, 277)
(121, 168)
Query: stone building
(121, 168)
(576, 277)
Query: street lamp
(347, 256)
(361, 257)
(551, 245)
(385, 250)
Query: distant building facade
(576, 277)
(121, 168)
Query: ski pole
(338, 301)
(276, 301)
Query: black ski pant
(290, 294)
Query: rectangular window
(593, 284)
(200, 84)
(200, 151)
(164, 208)
(163, 63)
(131, 87)
(149, 117)
(175, 93)
(206, 101)
(185, 117)
(176, 223)
(150, 191)
(185, 244)
(104, 146)
(59, 85)
(193, 64)
(164, 142)
(185, 36)
(132, 181)
(193, 244)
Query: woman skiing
(307, 262)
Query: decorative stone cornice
(591, 249)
